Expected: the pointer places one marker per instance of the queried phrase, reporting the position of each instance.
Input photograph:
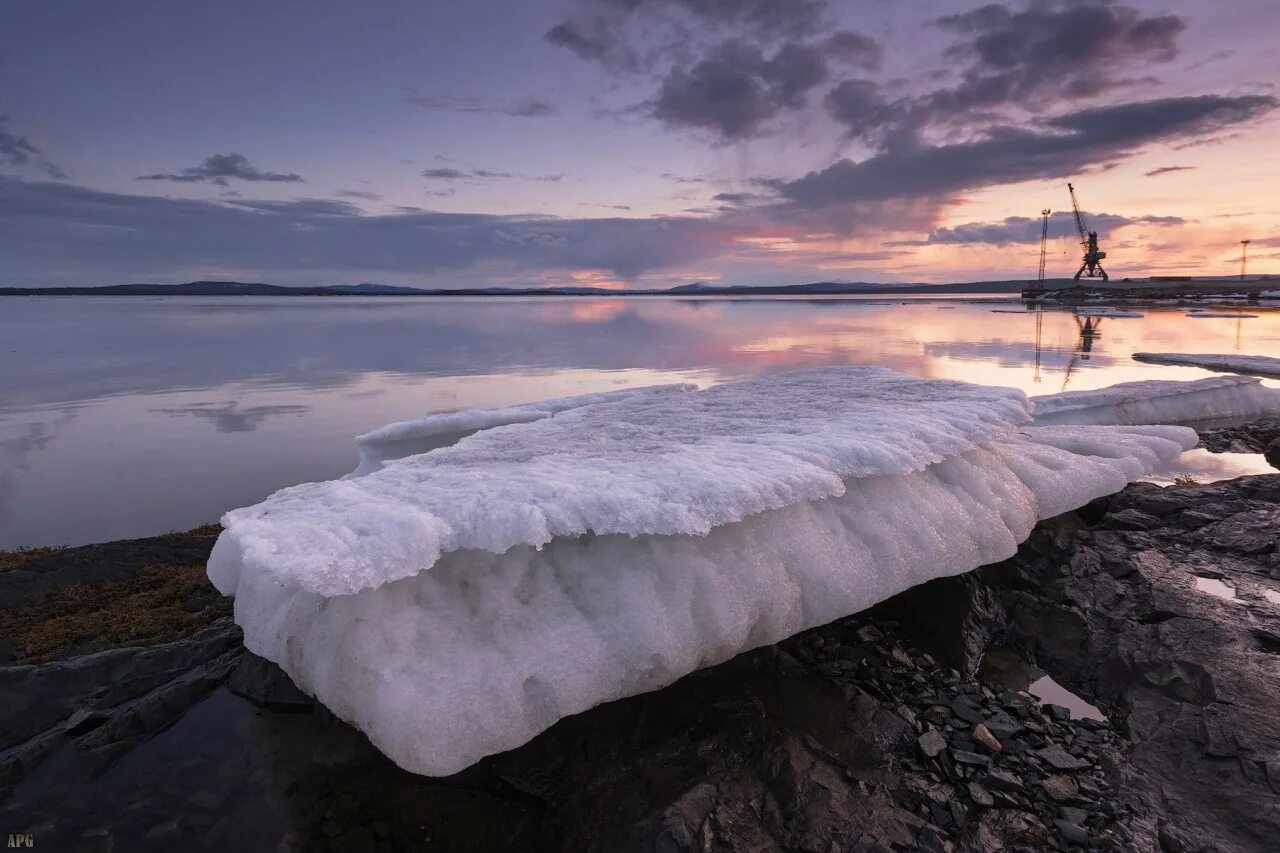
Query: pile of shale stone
(986, 768)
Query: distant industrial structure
(1147, 287)
(1091, 267)
(1044, 243)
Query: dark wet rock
(1002, 725)
(1131, 518)
(1002, 780)
(264, 683)
(931, 743)
(155, 711)
(980, 795)
(1058, 712)
(1073, 815)
(35, 698)
(1113, 612)
(84, 720)
(1272, 453)
(1170, 841)
(108, 701)
(1073, 833)
(1059, 759)
(983, 737)
(868, 634)
(971, 758)
(1260, 436)
(1061, 788)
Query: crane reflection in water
(1088, 329)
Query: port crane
(1092, 264)
(1044, 244)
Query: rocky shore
(134, 719)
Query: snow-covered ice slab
(408, 438)
(1256, 365)
(1158, 401)
(456, 603)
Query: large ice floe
(454, 603)
(1159, 401)
(1258, 365)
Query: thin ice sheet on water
(456, 603)
(1158, 401)
(1117, 313)
(1257, 365)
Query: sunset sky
(641, 143)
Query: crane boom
(1075, 207)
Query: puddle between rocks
(1004, 667)
(1215, 587)
(1206, 467)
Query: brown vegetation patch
(203, 530)
(159, 603)
(13, 559)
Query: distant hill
(848, 287)
(213, 288)
(367, 288)
(698, 288)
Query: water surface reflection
(124, 416)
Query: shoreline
(861, 734)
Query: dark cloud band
(219, 169)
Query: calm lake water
(130, 416)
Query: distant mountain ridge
(698, 288)
(213, 288)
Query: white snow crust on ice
(660, 464)
(407, 438)
(1158, 401)
(1257, 365)
(456, 603)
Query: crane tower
(1091, 267)
(1044, 243)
